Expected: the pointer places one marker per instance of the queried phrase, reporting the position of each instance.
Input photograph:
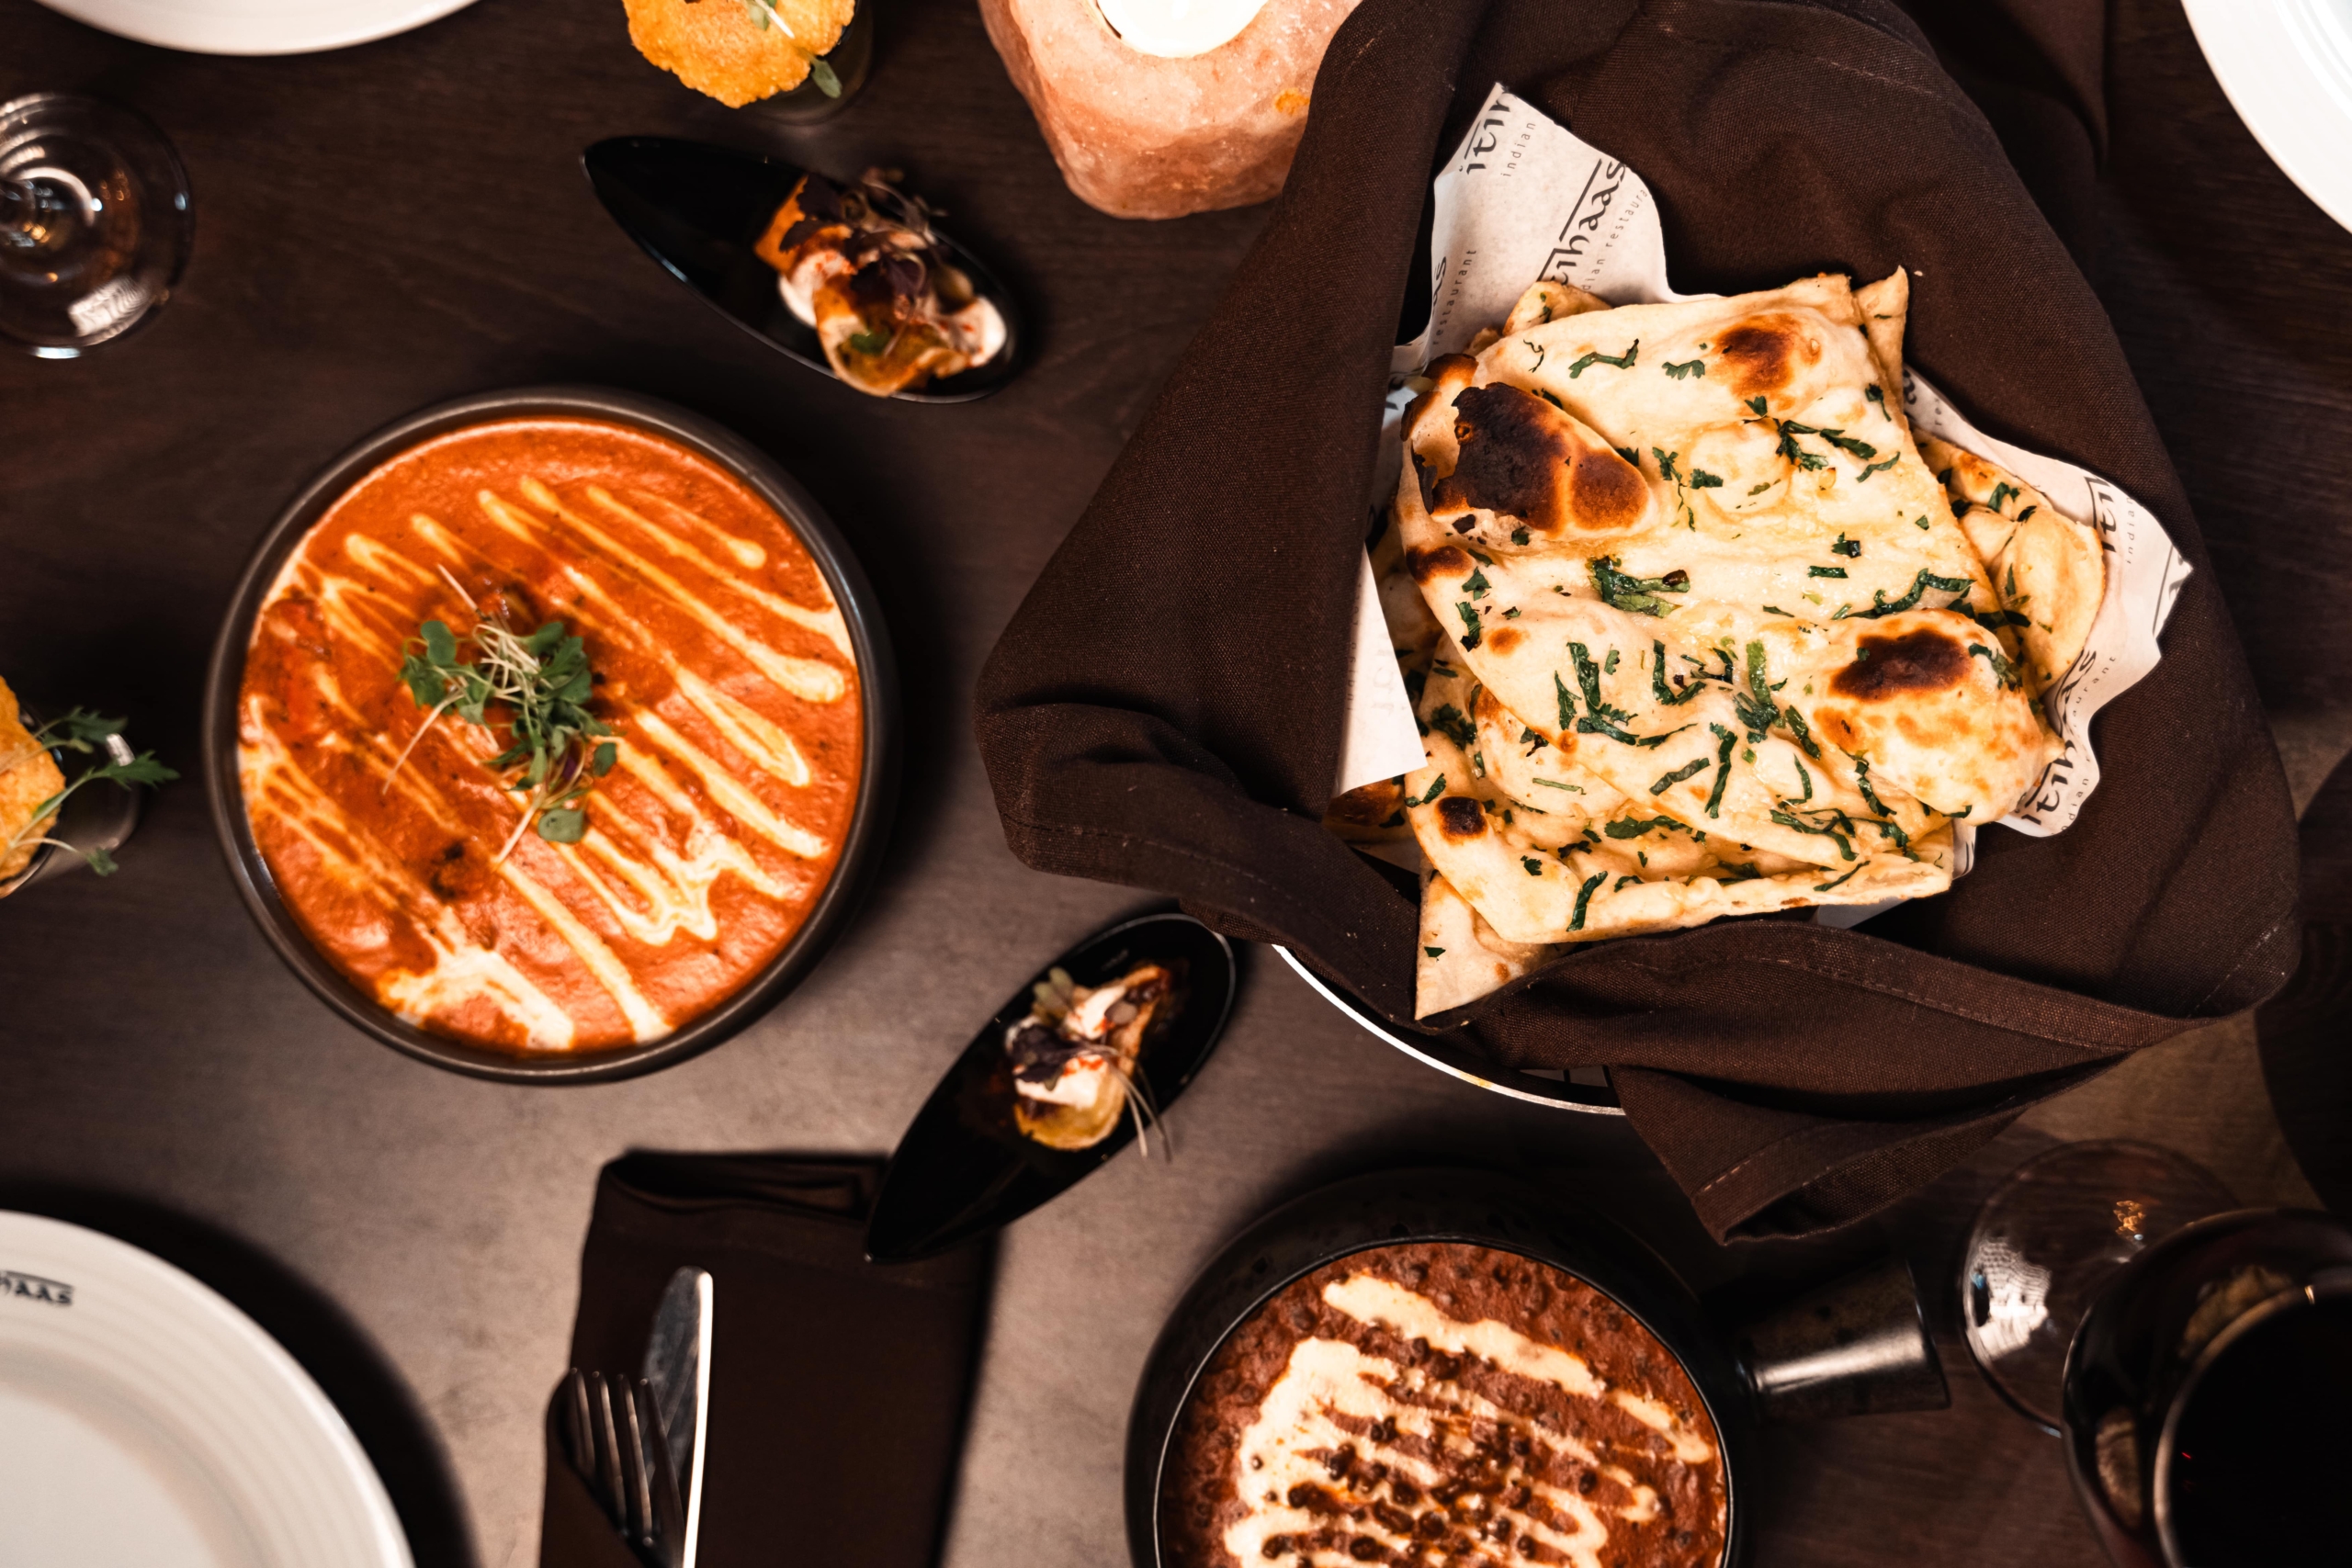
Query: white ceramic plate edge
(99, 1265)
(2287, 68)
(255, 27)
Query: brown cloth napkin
(837, 1386)
(1164, 709)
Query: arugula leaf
(1623, 361)
(1845, 844)
(1796, 725)
(1637, 595)
(1757, 707)
(1723, 767)
(1690, 769)
(1881, 605)
(2003, 670)
(1658, 679)
(1584, 897)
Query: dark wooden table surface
(383, 227)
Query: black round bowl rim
(878, 785)
(1480, 1203)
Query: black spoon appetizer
(1073, 1068)
(893, 294)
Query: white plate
(2287, 67)
(146, 1423)
(256, 27)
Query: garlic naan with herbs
(1716, 641)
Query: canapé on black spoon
(965, 1169)
(698, 209)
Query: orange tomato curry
(722, 664)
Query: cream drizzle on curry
(723, 665)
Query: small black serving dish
(877, 787)
(1858, 1346)
(699, 209)
(964, 1168)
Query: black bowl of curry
(550, 736)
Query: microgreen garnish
(1875, 468)
(1846, 546)
(1993, 620)
(1825, 571)
(1756, 402)
(1537, 350)
(1665, 463)
(1874, 395)
(1475, 585)
(1533, 867)
(1567, 704)
(2001, 493)
(1470, 633)
(86, 732)
(1825, 886)
(1920, 521)
(1638, 595)
(1629, 455)
(1687, 369)
(1437, 787)
(1554, 783)
(544, 684)
(1702, 479)
(1623, 361)
(1434, 952)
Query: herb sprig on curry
(542, 685)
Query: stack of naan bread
(1695, 628)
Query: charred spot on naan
(1503, 639)
(1446, 560)
(1522, 458)
(1923, 659)
(1763, 354)
(1460, 817)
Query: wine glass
(94, 221)
(2206, 1396)
(2054, 1236)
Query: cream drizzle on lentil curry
(723, 666)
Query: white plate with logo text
(147, 1423)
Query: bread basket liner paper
(1524, 199)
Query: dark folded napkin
(837, 1386)
(1165, 708)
